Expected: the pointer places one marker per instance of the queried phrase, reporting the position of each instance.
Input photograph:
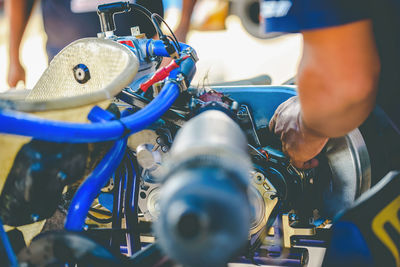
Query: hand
(300, 143)
(16, 73)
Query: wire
(142, 9)
(149, 15)
(98, 220)
(102, 212)
(155, 15)
(177, 47)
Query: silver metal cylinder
(204, 207)
(212, 138)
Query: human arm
(337, 85)
(184, 24)
(18, 12)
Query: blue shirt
(289, 16)
(63, 26)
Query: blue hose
(154, 110)
(88, 191)
(19, 123)
(90, 188)
(157, 48)
(56, 131)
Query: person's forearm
(187, 10)
(18, 12)
(337, 81)
(329, 109)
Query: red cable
(161, 74)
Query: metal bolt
(144, 187)
(259, 178)
(235, 106)
(293, 217)
(164, 149)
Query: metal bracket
(180, 81)
(289, 231)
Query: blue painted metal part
(262, 100)
(88, 191)
(5, 243)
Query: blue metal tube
(88, 191)
(5, 243)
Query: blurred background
(226, 49)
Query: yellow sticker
(388, 215)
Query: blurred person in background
(66, 21)
(214, 19)
(186, 15)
